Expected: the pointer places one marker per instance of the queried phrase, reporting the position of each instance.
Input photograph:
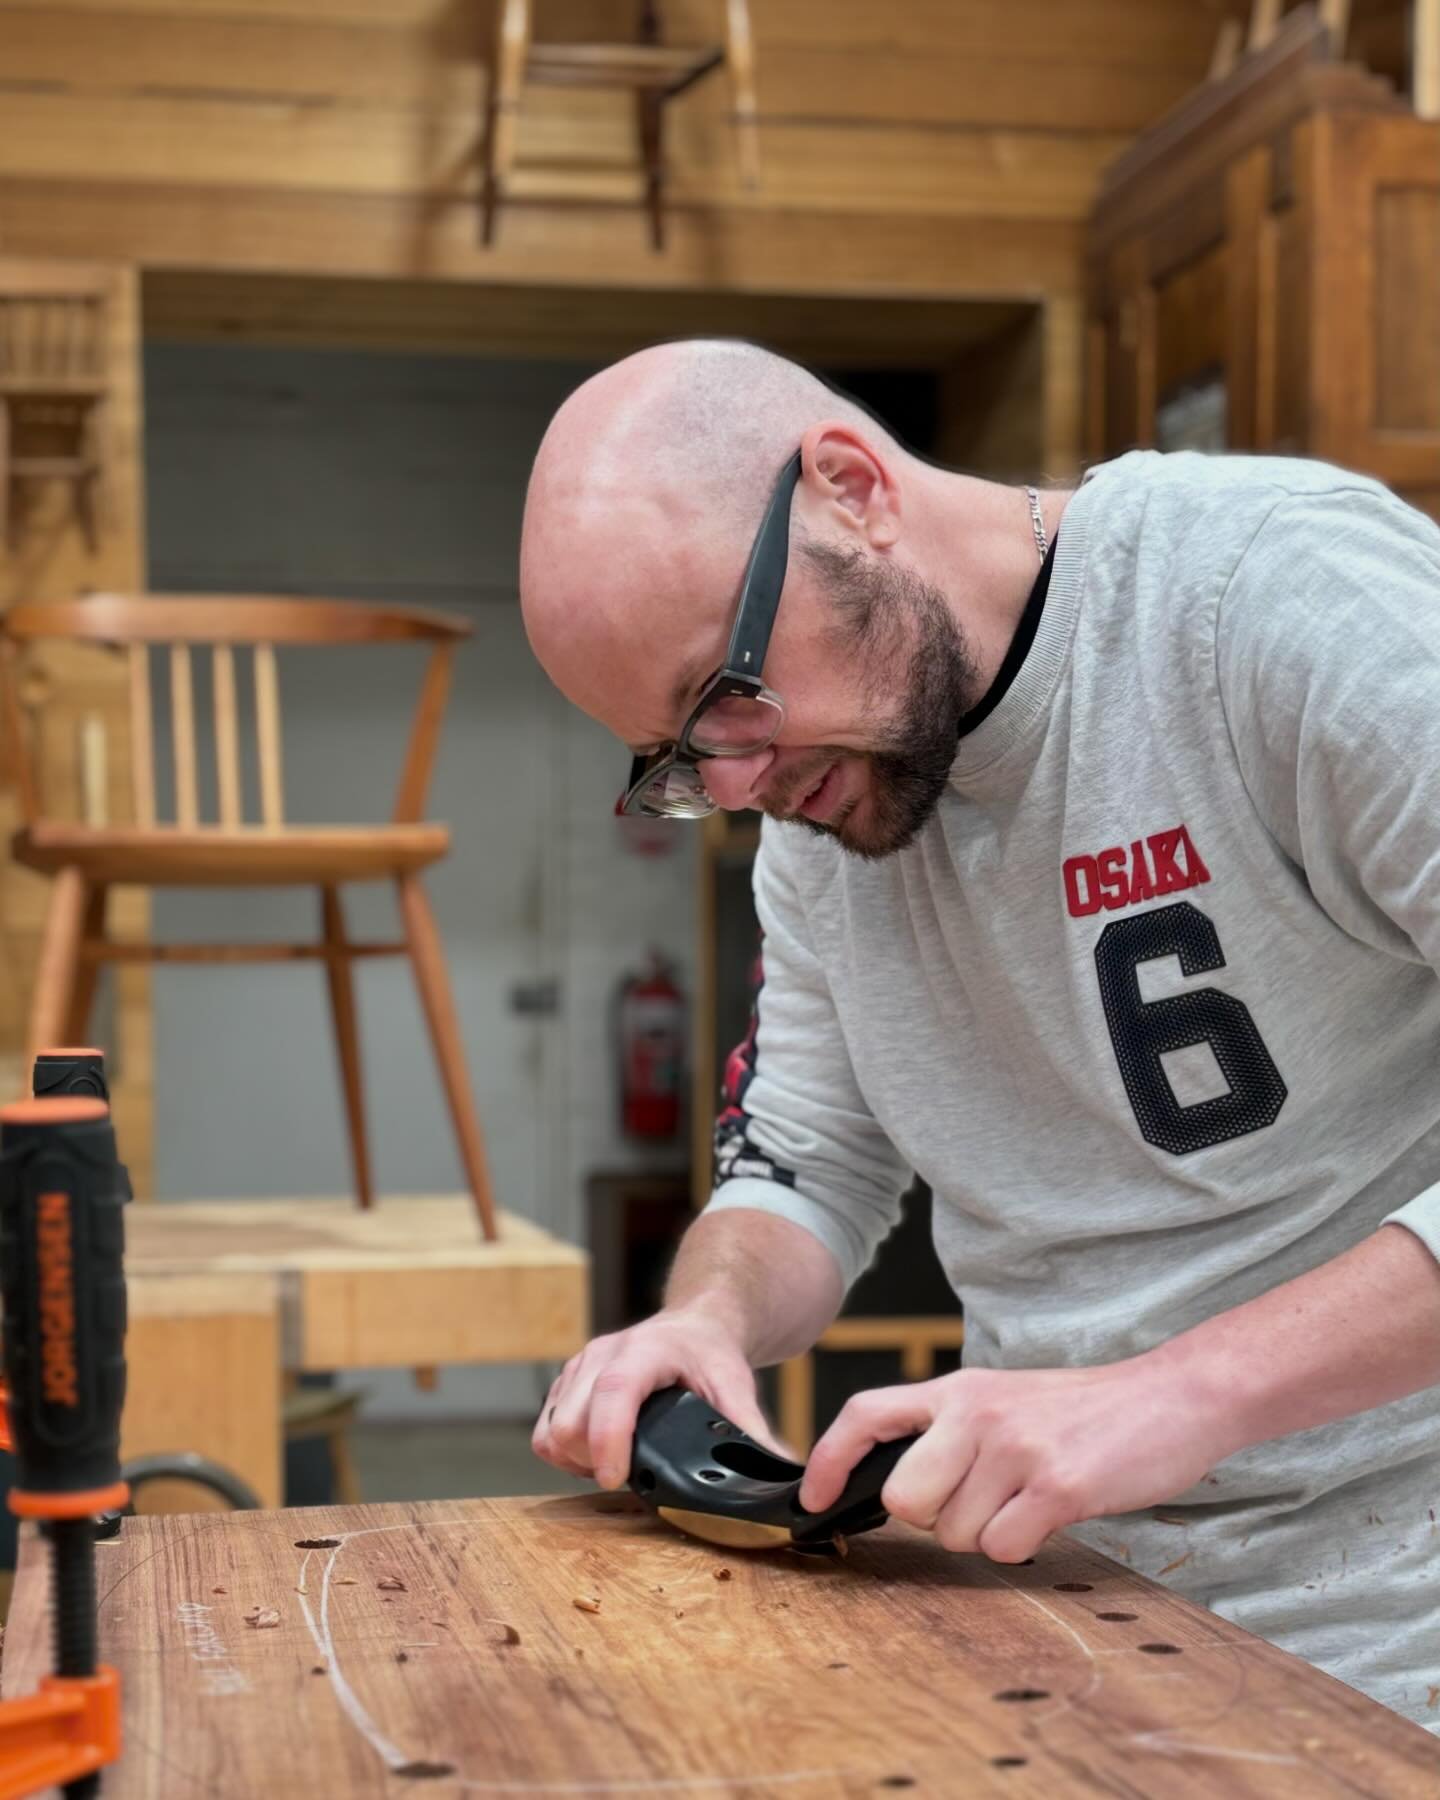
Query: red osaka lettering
(1166, 862)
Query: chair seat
(666, 68)
(169, 856)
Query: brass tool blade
(733, 1534)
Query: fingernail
(608, 1477)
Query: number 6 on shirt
(1143, 1031)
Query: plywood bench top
(438, 1649)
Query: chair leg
(347, 1037)
(87, 975)
(4, 473)
(344, 1477)
(427, 958)
(55, 975)
(648, 119)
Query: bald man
(1100, 885)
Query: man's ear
(844, 471)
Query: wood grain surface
(410, 1281)
(575, 1646)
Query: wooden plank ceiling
(942, 147)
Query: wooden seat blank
(88, 858)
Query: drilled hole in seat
(1114, 1618)
(1022, 1693)
(1161, 1649)
(1008, 1762)
(1074, 1587)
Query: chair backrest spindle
(142, 738)
(182, 717)
(227, 736)
(267, 725)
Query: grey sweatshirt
(1152, 1005)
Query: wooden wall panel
(1190, 321)
(312, 61)
(234, 112)
(49, 560)
(1407, 308)
(569, 145)
(1290, 326)
(733, 250)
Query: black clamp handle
(62, 1239)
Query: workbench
(227, 1296)
(578, 1646)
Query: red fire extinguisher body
(651, 1027)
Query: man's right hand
(587, 1423)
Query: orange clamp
(67, 1729)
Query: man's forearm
(771, 1284)
(1360, 1330)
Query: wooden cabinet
(1264, 273)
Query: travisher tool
(703, 1475)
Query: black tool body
(690, 1458)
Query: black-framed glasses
(736, 714)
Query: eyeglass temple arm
(764, 575)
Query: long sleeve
(795, 1137)
(1328, 657)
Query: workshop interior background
(340, 260)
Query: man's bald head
(645, 495)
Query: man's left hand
(1007, 1457)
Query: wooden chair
(53, 384)
(654, 72)
(87, 860)
(916, 1336)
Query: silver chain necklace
(1037, 520)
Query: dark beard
(883, 612)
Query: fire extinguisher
(650, 1029)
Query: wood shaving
(512, 1636)
(679, 1615)
(401, 1656)
(841, 1547)
(219, 1590)
(586, 1603)
(262, 1618)
(392, 1584)
(1179, 1563)
(723, 1574)
(319, 1669)
(347, 1581)
(1169, 1518)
